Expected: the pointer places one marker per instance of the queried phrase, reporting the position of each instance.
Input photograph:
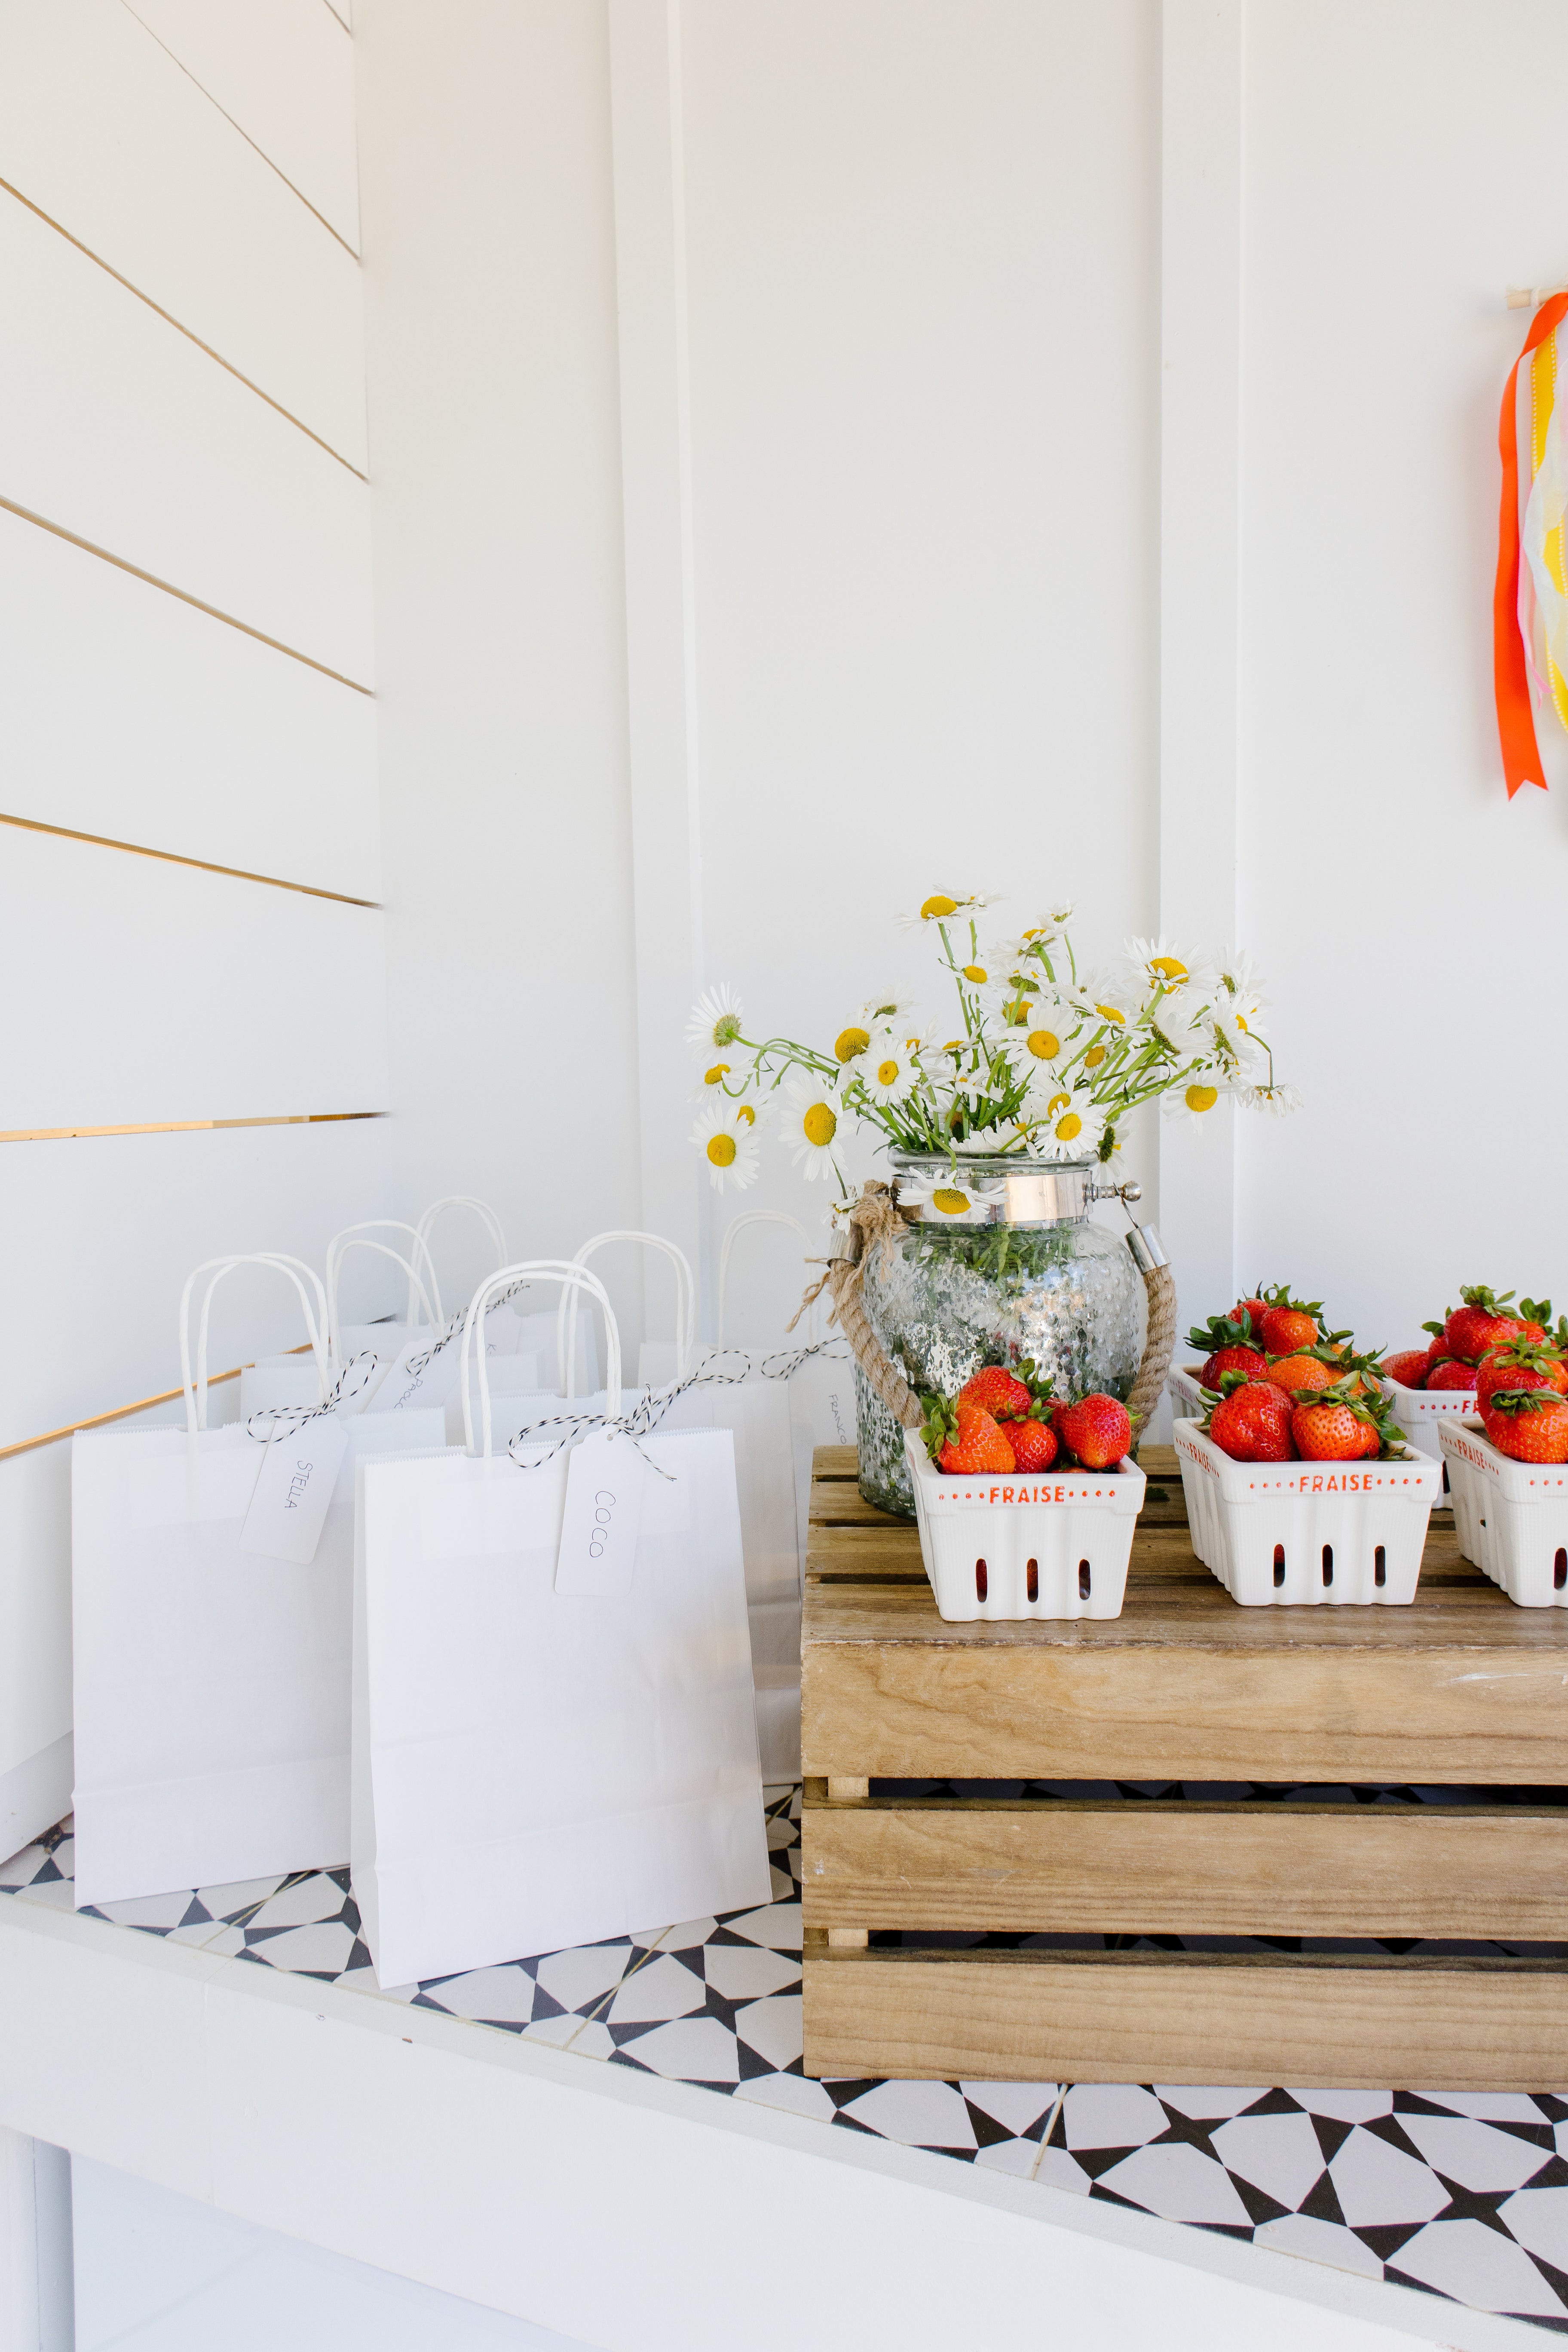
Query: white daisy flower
(809, 1122)
(1068, 1127)
(946, 906)
(1039, 1042)
(850, 1043)
(1236, 977)
(1273, 1097)
(1107, 996)
(952, 1197)
(886, 1070)
(726, 1134)
(1158, 963)
(1192, 1103)
(727, 1075)
(887, 1010)
(1235, 1051)
(716, 1020)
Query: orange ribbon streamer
(1516, 722)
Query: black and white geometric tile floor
(1463, 2195)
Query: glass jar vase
(1000, 1262)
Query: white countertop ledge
(625, 2212)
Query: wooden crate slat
(1446, 2025)
(1125, 1867)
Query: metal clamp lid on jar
(939, 1194)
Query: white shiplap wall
(185, 669)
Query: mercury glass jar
(1001, 1262)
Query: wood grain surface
(1446, 2025)
(1244, 1869)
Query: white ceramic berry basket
(1286, 1534)
(1055, 1544)
(1420, 1414)
(1512, 1518)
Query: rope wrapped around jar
(874, 1224)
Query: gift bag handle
(684, 1305)
(755, 1217)
(550, 1269)
(420, 1251)
(416, 1290)
(437, 1210)
(195, 1386)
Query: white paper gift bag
(423, 1314)
(359, 1354)
(542, 1760)
(212, 1680)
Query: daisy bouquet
(1032, 1062)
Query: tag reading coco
(605, 1477)
(289, 1505)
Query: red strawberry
(1409, 1369)
(1295, 1374)
(1473, 1329)
(1256, 1308)
(1330, 1432)
(1286, 1329)
(995, 1392)
(1097, 1429)
(1034, 1444)
(976, 1447)
(1452, 1374)
(1528, 1425)
(1233, 1360)
(1437, 1354)
(1253, 1423)
(1521, 1365)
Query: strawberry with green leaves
(1528, 1425)
(964, 1440)
(1287, 1324)
(1520, 1364)
(1481, 1324)
(1250, 1420)
(1098, 1430)
(1229, 1344)
(997, 1392)
(1344, 1424)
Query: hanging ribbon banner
(1530, 604)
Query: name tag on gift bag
(606, 1479)
(294, 1490)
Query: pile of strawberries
(1280, 1389)
(1516, 1365)
(1006, 1420)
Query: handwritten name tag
(294, 1489)
(605, 1477)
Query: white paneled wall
(183, 398)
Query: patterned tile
(1463, 2195)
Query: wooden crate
(1461, 1689)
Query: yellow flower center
(1016, 1013)
(1057, 1102)
(1070, 1128)
(850, 1042)
(721, 1150)
(1037, 933)
(1109, 1012)
(1093, 1058)
(1168, 967)
(1242, 1025)
(887, 1073)
(717, 1075)
(1201, 1097)
(819, 1125)
(953, 1045)
(950, 1203)
(976, 972)
(748, 1114)
(937, 909)
(1043, 1044)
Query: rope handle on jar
(874, 1223)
